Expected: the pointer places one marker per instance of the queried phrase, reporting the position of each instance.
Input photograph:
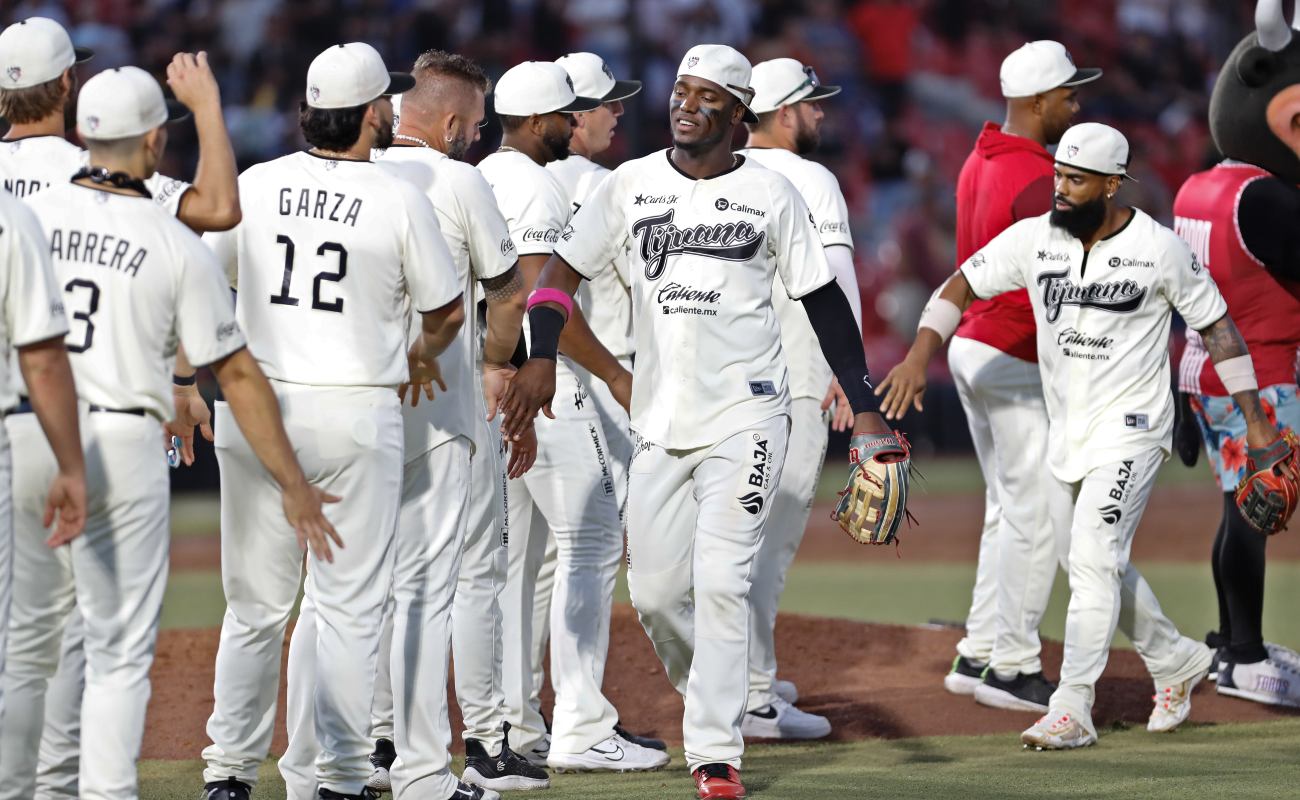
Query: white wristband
(1237, 374)
(941, 316)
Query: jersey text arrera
(326, 255)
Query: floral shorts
(1224, 428)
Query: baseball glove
(874, 503)
(1268, 495)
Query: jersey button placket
(1078, 369)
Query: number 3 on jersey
(82, 316)
(285, 299)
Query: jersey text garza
(319, 204)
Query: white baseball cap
(1041, 67)
(123, 102)
(784, 81)
(539, 87)
(35, 51)
(1096, 148)
(592, 77)
(351, 75)
(724, 66)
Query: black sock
(1223, 636)
(1241, 570)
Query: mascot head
(1255, 108)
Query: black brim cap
(622, 90)
(1085, 75)
(580, 104)
(177, 111)
(821, 92)
(400, 82)
(82, 54)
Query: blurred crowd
(920, 77)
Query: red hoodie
(1004, 180)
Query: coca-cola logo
(1117, 297)
(547, 235)
(660, 238)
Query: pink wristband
(552, 296)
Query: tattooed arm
(1223, 341)
(505, 315)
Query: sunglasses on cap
(809, 80)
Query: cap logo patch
(609, 73)
(569, 81)
(314, 92)
(692, 61)
(15, 73)
(1072, 150)
(92, 123)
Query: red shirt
(1004, 180)
(885, 28)
(1264, 305)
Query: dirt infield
(872, 681)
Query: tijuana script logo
(1117, 297)
(660, 238)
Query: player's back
(136, 282)
(323, 262)
(35, 163)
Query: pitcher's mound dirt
(872, 681)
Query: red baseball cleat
(718, 782)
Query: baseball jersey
(31, 305)
(606, 300)
(1102, 321)
(480, 248)
(35, 163)
(324, 260)
(702, 255)
(135, 282)
(810, 375)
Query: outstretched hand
(191, 410)
(523, 453)
(302, 507)
(66, 498)
(843, 419)
(531, 390)
(906, 385)
(424, 374)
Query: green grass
(1212, 761)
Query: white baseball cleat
(1283, 655)
(1058, 731)
(1271, 681)
(1173, 704)
(786, 690)
(780, 720)
(964, 676)
(615, 754)
(537, 756)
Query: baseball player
(786, 95)
(1104, 282)
(137, 282)
(1240, 221)
(571, 486)
(32, 320)
(40, 53)
(331, 257)
(704, 231)
(440, 118)
(606, 302)
(1007, 178)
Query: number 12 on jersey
(285, 299)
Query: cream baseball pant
(348, 440)
(40, 740)
(791, 505)
(476, 610)
(119, 566)
(6, 555)
(618, 436)
(1003, 399)
(1100, 514)
(695, 522)
(435, 504)
(571, 486)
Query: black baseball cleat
(1021, 693)
(964, 676)
(466, 792)
(228, 789)
(644, 741)
(382, 760)
(1213, 674)
(505, 773)
(366, 794)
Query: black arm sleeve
(832, 320)
(521, 352)
(1269, 218)
(546, 324)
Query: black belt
(25, 407)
